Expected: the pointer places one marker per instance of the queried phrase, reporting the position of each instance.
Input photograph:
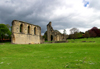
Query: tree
(4, 31)
(87, 35)
(45, 35)
(92, 33)
(74, 30)
(80, 34)
(8, 26)
(74, 33)
(64, 32)
(96, 31)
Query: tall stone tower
(49, 31)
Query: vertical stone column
(13, 25)
(26, 28)
(37, 30)
(48, 33)
(32, 31)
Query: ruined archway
(51, 37)
(54, 35)
(28, 29)
(35, 31)
(21, 28)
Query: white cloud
(80, 30)
(64, 14)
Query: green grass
(73, 55)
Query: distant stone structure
(54, 35)
(42, 40)
(25, 33)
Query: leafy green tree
(74, 33)
(87, 35)
(45, 35)
(80, 34)
(4, 31)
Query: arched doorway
(51, 37)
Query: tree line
(5, 32)
(92, 33)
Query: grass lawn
(75, 54)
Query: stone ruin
(25, 33)
(54, 35)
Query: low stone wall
(42, 40)
(26, 39)
(60, 41)
(57, 42)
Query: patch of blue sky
(85, 3)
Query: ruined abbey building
(54, 35)
(25, 33)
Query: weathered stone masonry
(54, 35)
(25, 33)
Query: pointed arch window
(28, 29)
(21, 28)
(35, 31)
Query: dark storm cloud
(38, 12)
(35, 12)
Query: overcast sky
(64, 14)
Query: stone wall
(54, 35)
(25, 33)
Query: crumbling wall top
(24, 23)
(49, 24)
